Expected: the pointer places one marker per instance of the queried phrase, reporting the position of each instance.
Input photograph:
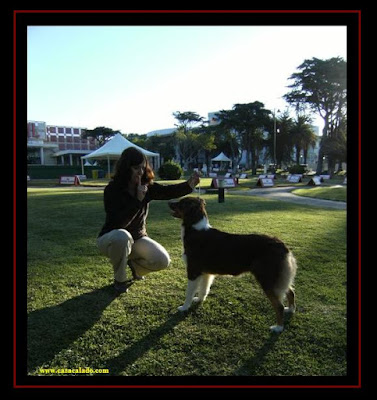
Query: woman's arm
(167, 192)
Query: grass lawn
(336, 193)
(75, 321)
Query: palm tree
(248, 121)
(302, 136)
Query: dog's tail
(287, 276)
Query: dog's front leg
(192, 289)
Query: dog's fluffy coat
(209, 252)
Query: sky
(132, 78)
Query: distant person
(123, 237)
(205, 170)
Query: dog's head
(190, 209)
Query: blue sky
(133, 78)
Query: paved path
(284, 194)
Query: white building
(162, 132)
(57, 145)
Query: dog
(209, 252)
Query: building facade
(57, 145)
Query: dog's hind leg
(192, 289)
(291, 301)
(279, 310)
(204, 287)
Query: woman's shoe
(135, 276)
(120, 287)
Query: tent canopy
(221, 157)
(114, 148)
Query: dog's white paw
(276, 328)
(183, 308)
(291, 309)
(196, 300)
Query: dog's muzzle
(173, 205)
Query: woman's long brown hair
(132, 157)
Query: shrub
(170, 171)
(297, 169)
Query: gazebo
(112, 150)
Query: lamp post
(275, 139)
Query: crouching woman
(123, 237)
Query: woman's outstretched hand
(194, 180)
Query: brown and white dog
(209, 252)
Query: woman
(123, 237)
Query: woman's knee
(160, 257)
(116, 241)
(164, 260)
(121, 236)
(123, 240)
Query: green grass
(336, 193)
(75, 321)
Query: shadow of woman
(52, 329)
(135, 351)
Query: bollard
(221, 191)
(221, 195)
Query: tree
(335, 145)
(322, 86)
(164, 145)
(249, 121)
(284, 139)
(302, 137)
(187, 120)
(101, 133)
(187, 145)
(226, 140)
(206, 140)
(137, 139)
(282, 143)
(187, 140)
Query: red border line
(189, 11)
(14, 199)
(190, 387)
(359, 199)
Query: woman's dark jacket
(124, 211)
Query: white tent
(221, 157)
(112, 150)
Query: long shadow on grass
(52, 329)
(252, 366)
(118, 364)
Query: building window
(61, 130)
(84, 144)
